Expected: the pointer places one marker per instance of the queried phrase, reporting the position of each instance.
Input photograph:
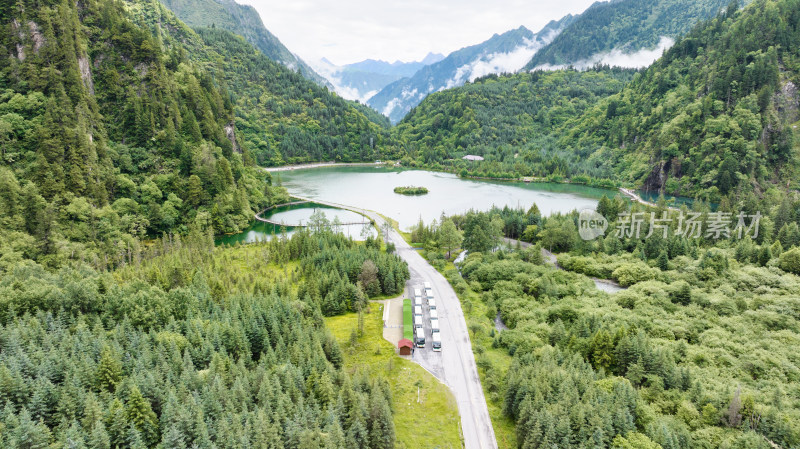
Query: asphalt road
(455, 365)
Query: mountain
(716, 116)
(432, 58)
(626, 33)
(511, 116)
(361, 80)
(397, 68)
(109, 136)
(245, 21)
(505, 52)
(119, 123)
(286, 118)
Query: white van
(435, 324)
(434, 314)
(418, 310)
(437, 342)
(417, 301)
(417, 292)
(429, 293)
(432, 303)
(427, 285)
(420, 338)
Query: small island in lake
(411, 190)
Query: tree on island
(411, 190)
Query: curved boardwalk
(298, 225)
(635, 197)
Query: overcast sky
(348, 31)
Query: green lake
(373, 188)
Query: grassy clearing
(432, 423)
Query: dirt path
(322, 164)
(605, 285)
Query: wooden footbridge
(301, 225)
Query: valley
(202, 222)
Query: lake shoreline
(624, 192)
(391, 164)
(373, 189)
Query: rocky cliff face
(33, 38)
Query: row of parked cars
(425, 295)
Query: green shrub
(681, 293)
(790, 261)
(715, 259)
(632, 273)
(634, 440)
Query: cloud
(620, 58)
(501, 62)
(332, 73)
(393, 103)
(349, 31)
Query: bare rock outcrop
(230, 133)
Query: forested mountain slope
(506, 119)
(109, 137)
(245, 21)
(118, 122)
(626, 26)
(284, 117)
(716, 115)
(287, 119)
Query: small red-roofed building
(405, 346)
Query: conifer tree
(663, 260)
(140, 415)
(381, 430)
(109, 370)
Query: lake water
(372, 188)
(300, 215)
